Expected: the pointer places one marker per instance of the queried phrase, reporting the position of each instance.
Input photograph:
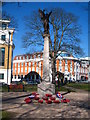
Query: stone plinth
(46, 87)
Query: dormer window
(27, 57)
(17, 58)
(3, 37)
(30, 57)
(4, 26)
(20, 57)
(65, 61)
(34, 56)
(39, 56)
(23, 57)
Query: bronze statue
(45, 18)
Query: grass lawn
(83, 86)
(4, 88)
(62, 88)
(27, 88)
(32, 88)
(7, 115)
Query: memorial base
(46, 88)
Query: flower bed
(15, 87)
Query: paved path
(77, 108)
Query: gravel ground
(77, 108)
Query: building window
(25, 76)
(3, 37)
(21, 76)
(66, 68)
(2, 56)
(33, 63)
(59, 62)
(25, 69)
(29, 69)
(37, 76)
(77, 67)
(15, 76)
(4, 26)
(22, 69)
(15, 69)
(1, 76)
(18, 76)
(18, 64)
(65, 61)
(71, 64)
(18, 70)
(33, 77)
(22, 64)
(29, 63)
(25, 64)
(37, 63)
(15, 64)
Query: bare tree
(64, 34)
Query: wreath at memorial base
(45, 98)
(28, 100)
(48, 98)
(56, 101)
(36, 98)
(49, 95)
(52, 98)
(65, 100)
(40, 101)
(48, 101)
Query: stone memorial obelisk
(46, 87)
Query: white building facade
(72, 68)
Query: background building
(30, 66)
(6, 48)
